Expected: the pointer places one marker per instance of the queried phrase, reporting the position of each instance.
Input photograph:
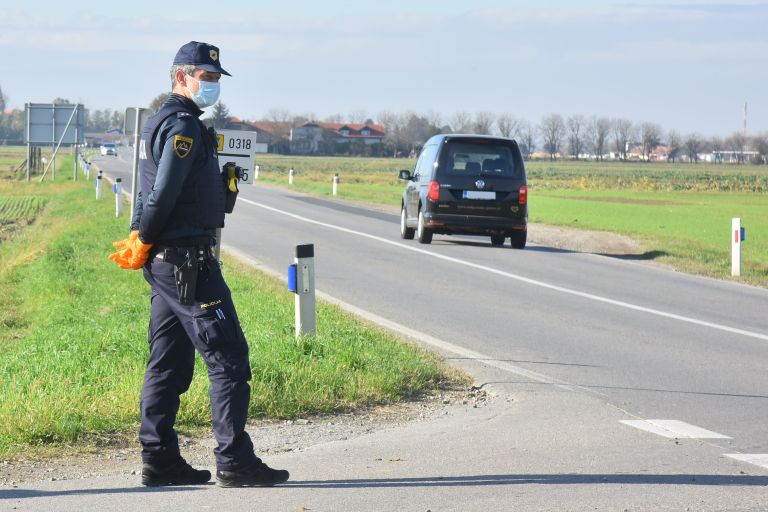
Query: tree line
(99, 121)
(574, 137)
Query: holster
(230, 174)
(229, 205)
(187, 262)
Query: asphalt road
(572, 344)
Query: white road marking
(509, 275)
(418, 335)
(674, 429)
(758, 459)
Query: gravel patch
(269, 437)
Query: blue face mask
(207, 93)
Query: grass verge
(72, 352)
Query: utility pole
(745, 119)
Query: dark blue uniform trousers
(210, 325)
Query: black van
(468, 185)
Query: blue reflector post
(292, 278)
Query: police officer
(176, 214)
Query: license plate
(478, 194)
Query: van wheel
(423, 233)
(497, 240)
(519, 238)
(405, 232)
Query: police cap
(201, 55)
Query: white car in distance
(108, 148)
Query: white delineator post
(98, 186)
(118, 189)
(256, 170)
(304, 300)
(335, 184)
(736, 246)
(291, 174)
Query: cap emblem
(214, 55)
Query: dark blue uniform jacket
(182, 193)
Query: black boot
(177, 472)
(256, 475)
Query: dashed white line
(758, 459)
(523, 279)
(674, 429)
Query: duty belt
(177, 255)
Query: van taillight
(523, 198)
(434, 191)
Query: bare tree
(576, 127)
(282, 122)
(395, 140)
(693, 144)
(433, 118)
(461, 122)
(357, 116)
(623, 131)
(675, 144)
(552, 129)
(717, 146)
(333, 118)
(527, 134)
(507, 125)
(306, 117)
(599, 129)
(737, 143)
(483, 123)
(650, 136)
(760, 144)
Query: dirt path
(598, 242)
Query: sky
(689, 66)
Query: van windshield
(476, 159)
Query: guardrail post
(118, 189)
(301, 281)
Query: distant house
(315, 137)
(95, 139)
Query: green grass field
(681, 213)
(73, 336)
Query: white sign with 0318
(239, 147)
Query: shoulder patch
(182, 145)
(179, 115)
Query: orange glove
(122, 244)
(140, 254)
(134, 253)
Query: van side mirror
(405, 175)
